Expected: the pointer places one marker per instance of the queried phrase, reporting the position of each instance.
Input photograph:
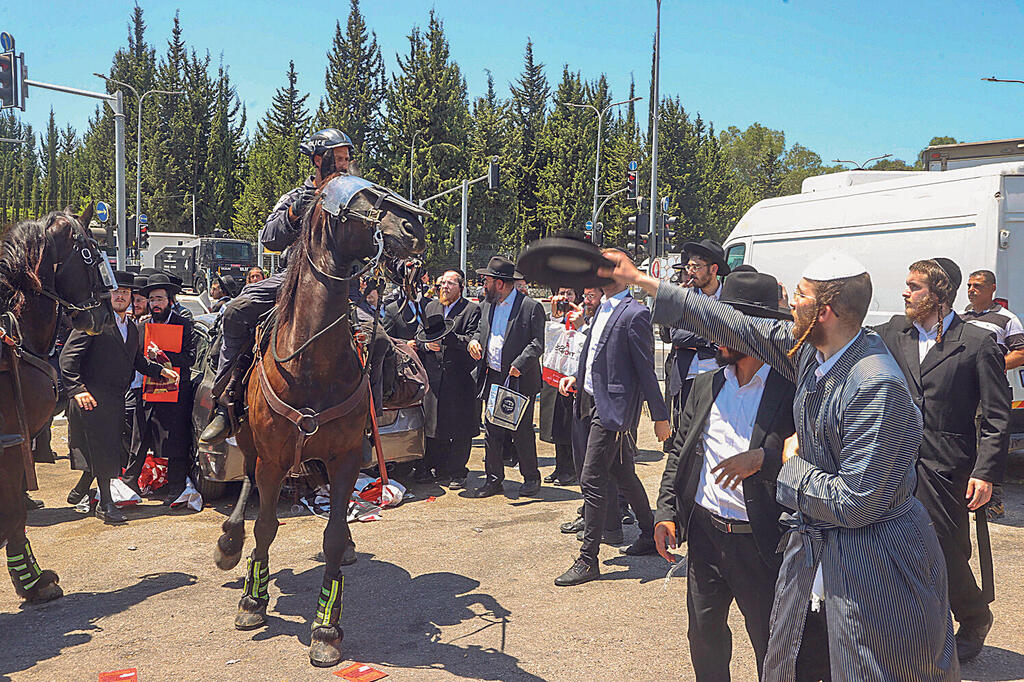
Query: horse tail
(229, 544)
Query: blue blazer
(623, 368)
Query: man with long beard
(861, 543)
(955, 372)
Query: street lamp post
(138, 148)
(597, 162)
(655, 240)
(412, 149)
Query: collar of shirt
(610, 303)
(994, 308)
(932, 333)
(448, 308)
(122, 326)
(759, 378)
(509, 300)
(825, 365)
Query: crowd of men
(821, 472)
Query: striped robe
(852, 490)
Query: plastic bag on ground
(390, 495)
(189, 497)
(154, 474)
(121, 495)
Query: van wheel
(199, 284)
(210, 490)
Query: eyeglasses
(694, 267)
(799, 294)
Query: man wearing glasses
(692, 355)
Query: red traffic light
(7, 92)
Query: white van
(889, 219)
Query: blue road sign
(143, 219)
(102, 211)
(632, 165)
(6, 41)
(589, 226)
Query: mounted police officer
(330, 150)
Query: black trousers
(722, 567)
(448, 456)
(496, 439)
(165, 428)
(812, 660)
(607, 458)
(564, 467)
(946, 504)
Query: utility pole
(492, 183)
(412, 149)
(655, 241)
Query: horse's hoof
(45, 593)
(251, 614)
(229, 547)
(225, 562)
(325, 647)
(349, 557)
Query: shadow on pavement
(39, 633)
(994, 664)
(393, 619)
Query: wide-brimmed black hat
(501, 268)
(754, 293)
(160, 281)
(139, 283)
(434, 328)
(709, 250)
(124, 279)
(563, 262)
(227, 285)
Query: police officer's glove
(302, 203)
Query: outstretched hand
(625, 272)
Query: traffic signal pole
(655, 242)
(492, 181)
(116, 103)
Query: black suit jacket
(960, 378)
(105, 363)
(772, 425)
(451, 404)
(524, 344)
(404, 324)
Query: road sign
(655, 268)
(632, 165)
(664, 203)
(589, 226)
(102, 212)
(6, 41)
(143, 219)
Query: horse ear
(86, 216)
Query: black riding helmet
(322, 140)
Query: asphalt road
(444, 589)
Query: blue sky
(850, 80)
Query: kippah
(833, 265)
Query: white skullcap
(833, 265)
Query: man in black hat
(508, 347)
(166, 426)
(97, 370)
(692, 355)
(955, 372)
(451, 405)
(718, 490)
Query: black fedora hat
(160, 281)
(754, 293)
(139, 283)
(124, 279)
(501, 268)
(435, 327)
(708, 249)
(563, 262)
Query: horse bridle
(101, 276)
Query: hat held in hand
(564, 262)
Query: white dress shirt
(122, 326)
(926, 338)
(727, 433)
(499, 325)
(604, 311)
(698, 366)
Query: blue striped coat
(852, 493)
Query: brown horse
(43, 263)
(308, 397)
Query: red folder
(159, 340)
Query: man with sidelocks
(861, 558)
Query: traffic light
(668, 223)
(143, 237)
(641, 225)
(631, 185)
(8, 80)
(493, 174)
(599, 234)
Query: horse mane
(21, 252)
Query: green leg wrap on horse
(22, 566)
(257, 577)
(328, 610)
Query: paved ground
(447, 589)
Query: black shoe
(628, 518)
(608, 537)
(529, 488)
(971, 639)
(488, 489)
(170, 497)
(580, 572)
(10, 440)
(219, 428)
(76, 495)
(572, 527)
(457, 484)
(110, 514)
(566, 481)
(642, 547)
(31, 504)
(550, 478)
(423, 476)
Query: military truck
(198, 261)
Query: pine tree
(525, 151)
(488, 210)
(354, 89)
